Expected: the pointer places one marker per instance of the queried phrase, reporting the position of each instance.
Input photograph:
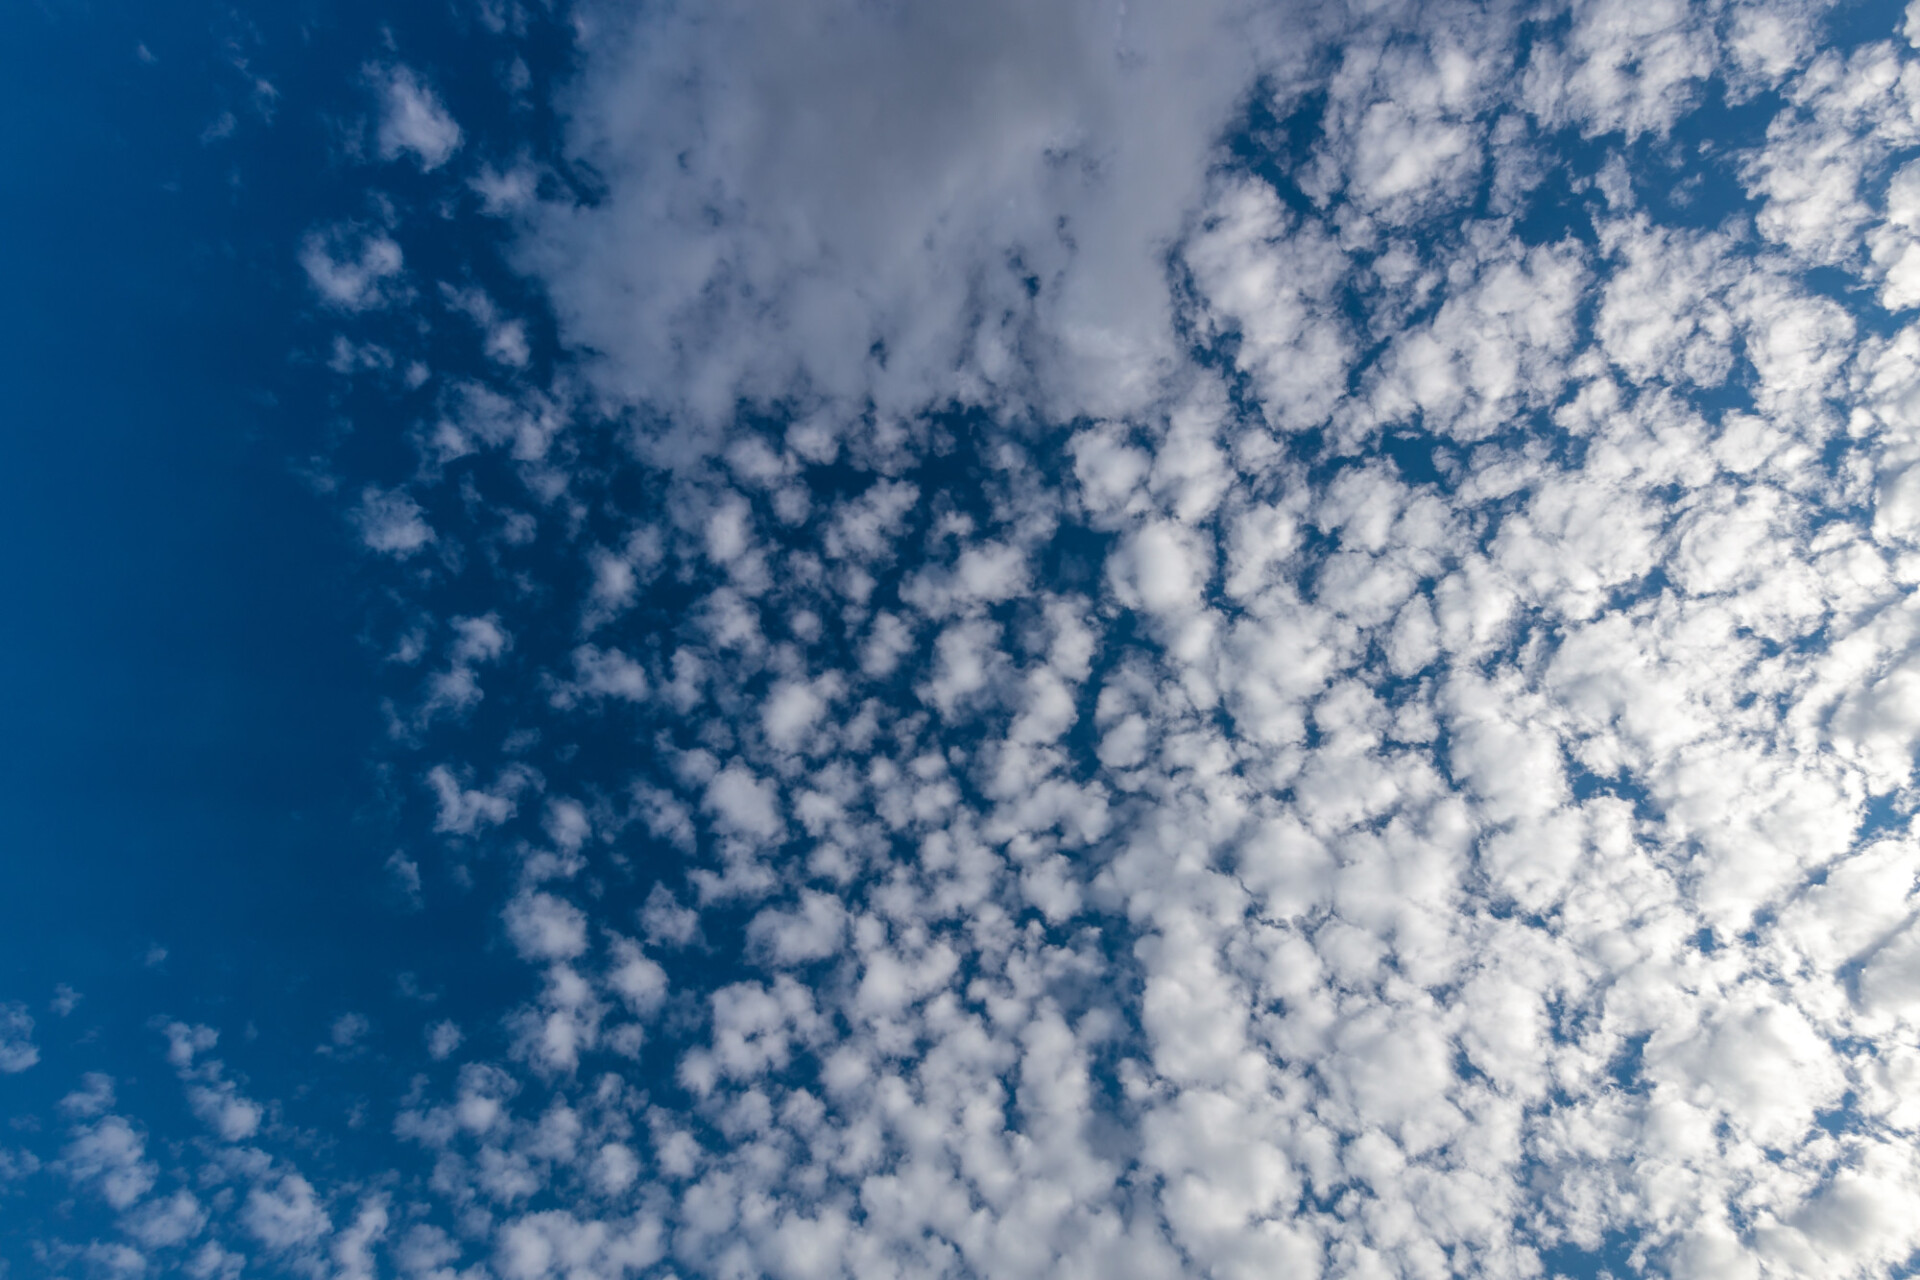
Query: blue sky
(1051, 639)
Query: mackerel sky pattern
(1056, 639)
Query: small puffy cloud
(567, 824)
(982, 575)
(478, 640)
(110, 1155)
(456, 690)
(1275, 280)
(966, 660)
(186, 1042)
(811, 931)
(466, 811)
(1632, 69)
(225, 1110)
(353, 1247)
(391, 522)
(115, 1260)
(790, 712)
(412, 119)
(504, 340)
(744, 804)
(665, 922)
(285, 1214)
(347, 1031)
(15, 1165)
(168, 1221)
(543, 927)
(555, 1243)
(403, 877)
(213, 1262)
(443, 1038)
(600, 674)
(505, 191)
(17, 1050)
(1161, 568)
(352, 267)
(615, 1168)
(93, 1097)
(640, 982)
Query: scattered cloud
(1172, 640)
(17, 1050)
(413, 121)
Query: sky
(871, 639)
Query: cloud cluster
(1081, 690)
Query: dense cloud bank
(1138, 641)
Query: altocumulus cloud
(1130, 641)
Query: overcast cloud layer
(1120, 640)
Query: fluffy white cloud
(412, 118)
(111, 1155)
(544, 927)
(285, 1213)
(166, 1222)
(352, 267)
(465, 810)
(391, 523)
(17, 1050)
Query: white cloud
(1272, 277)
(744, 804)
(111, 1155)
(348, 1030)
(544, 927)
(94, 1096)
(443, 1038)
(812, 931)
(285, 1214)
(556, 1243)
(391, 523)
(233, 1117)
(666, 922)
(791, 710)
(1162, 569)
(412, 118)
(465, 811)
(403, 874)
(351, 267)
(638, 980)
(167, 1222)
(504, 339)
(17, 1050)
(1633, 69)
(353, 1252)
